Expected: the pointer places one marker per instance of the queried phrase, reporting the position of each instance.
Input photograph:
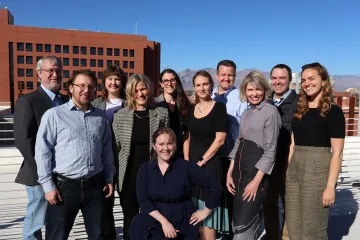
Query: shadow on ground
(340, 222)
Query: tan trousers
(306, 179)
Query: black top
(203, 130)
(314, 130)
(139, 150)
(140, 135)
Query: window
(38, 58)
(100, 51)
(99, 75)
(132, 64)
(75, 62)
(116, 52)
(47, 47)
(57, 48)
(29, 85)
(21, 85)
(132, 53)
(20, 59)
(92, 50)
(109, 51)
(125, 64)
(21, 72)
(65, 86)
(83, 62)
(29, 60)
(66, 49)
(125, 52)
(75, 49)
(20, 46)
(29, 47)
(130, 74)
(108, 63)
(94, 72)
(66, 61)
(92, 62)
(83, 50)
(66, 73)
(39, 47)
(117, 63)
(29, 72)
(100, 63)
(99, 87)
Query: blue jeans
(87, 196)
(35, 213)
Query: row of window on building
(76, 62)
(75, 49)
(66, 73)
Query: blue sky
(199, 33)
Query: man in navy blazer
(28, 112)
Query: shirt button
(163, 186)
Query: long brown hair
(157, 133)
(181, 99)
(208, 76)
(327, 93)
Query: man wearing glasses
(28, 113)
(75, 159)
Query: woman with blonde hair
(133, 128)
(315, 156)
(253, 156)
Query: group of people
(211, 168)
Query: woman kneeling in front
(163, 189)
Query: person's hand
(169, 230)
(201, 163)
(53, 197)
(230, 185)
(199, 216)
(109, 187)
(328, 198)
(251, 190)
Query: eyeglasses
(82, 87)
(168, 81)
(52, 70)
(311, 65)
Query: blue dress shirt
(55, 98)
(73, 143)
(234, 108)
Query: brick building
(349, 103)
(21, 47)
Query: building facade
(21, 47)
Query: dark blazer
(28, 112)
(286, 110)
(122, 129)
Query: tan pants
(306, 179)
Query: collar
(259, 106)
(225, 94)
(51, 94)
(154, 164)
(284, 96)
(71, 106)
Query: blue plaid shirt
(73, 143)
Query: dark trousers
(108, 226)
(130, 207)
(271, 206)
(87, 196)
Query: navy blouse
(170, 193)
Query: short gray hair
(258, 80)
(52, 59)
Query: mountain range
(342, 82)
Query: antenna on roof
(135, 28)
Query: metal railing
(7, 131)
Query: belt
(89, 180)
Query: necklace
(141, 117)
(208, 106)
